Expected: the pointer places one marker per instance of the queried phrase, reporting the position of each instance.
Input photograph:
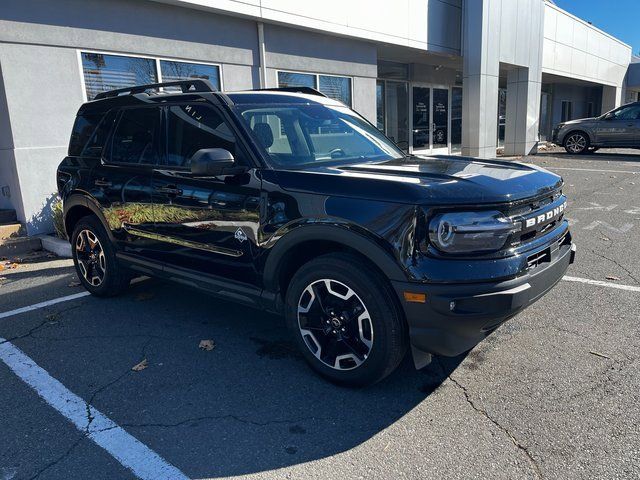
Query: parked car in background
(619, 128)
(291, 202)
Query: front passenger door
(620, 128)
(205, 224)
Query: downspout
(263, 56)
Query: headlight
(467, 232)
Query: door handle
(103, 183)
(170, 190)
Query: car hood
(580, 121)
(441, 180)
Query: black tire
(113, 278)
(577, 143)
(382, 330)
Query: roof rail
(305, 90)
(198, 85)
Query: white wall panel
(575, 49)
(426, 24)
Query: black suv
(290, 202)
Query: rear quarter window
(89, 134)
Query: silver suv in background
(619, 128)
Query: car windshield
(306, 134)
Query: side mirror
(212, 162)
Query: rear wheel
(95, 260)
(345, 320)
(576, 143)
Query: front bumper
(456, 317)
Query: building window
(173, 71)
(380, 99)
(589, 109)
(291, 79)
(393, 70)
(104, 72)
(567, 111)
(338, 88)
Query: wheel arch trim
(331, 233)
(78, 199)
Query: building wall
(42, 86)
(424, 24)
(508, 35)
(575, 49)
(579, 96)
(304, 51)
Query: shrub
(58, 220)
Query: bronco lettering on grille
(545, 217)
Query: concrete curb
(19, 246)
(60, 247)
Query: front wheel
(577, 143)
(345, 320)
(95, 260)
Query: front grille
(537, 218)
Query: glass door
(421, 129)
(441, 121)
(431, 120)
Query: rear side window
(90, 133)
(83, 128)
(194, 127)
(135, 137)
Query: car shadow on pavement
(249, 405)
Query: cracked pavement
(554, 393)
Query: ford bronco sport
(290, 202)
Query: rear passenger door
(122, 181)
(205, 224)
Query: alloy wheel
(335, 324)
(576, 143)
(91, 260)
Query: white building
(438, 76)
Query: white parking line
(48, 303)
(590, 170)
(36, 306)
(130, 452)
(599, 283)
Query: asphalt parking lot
(552, 394)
